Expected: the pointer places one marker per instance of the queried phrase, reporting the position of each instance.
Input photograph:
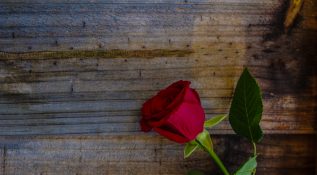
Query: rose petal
(188, 120)
(175, 113)
(170, 135)
(156, 106)
(144, 126)
(196, 94)
(189, 117)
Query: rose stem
(254, 154)
(218, 162)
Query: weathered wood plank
(75, 112)
(125, 25)
(259, 2)
(44, 91)
(144, 154)
(80, 94)
(97, 95)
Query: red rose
(175, 113)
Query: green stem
(254, 149)
(254, 154)
(218, 162)
(204, 140)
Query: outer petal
(175, 87)
(145, 126)
(157, 110)
(182, 86)
(146, 109)
(162, 103)
(171, 135)
(196, 95)
(188, 119)
(160, 119)
(153, 106)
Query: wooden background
(74, 74)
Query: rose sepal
(214, 120)
(190, 147)
(204, 140)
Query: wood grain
(38, 26)
(80, 93)
(74, 74)
(145, 154)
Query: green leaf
(246, 108)
(205, 140)
(195, 172)
(214, 121)
(190, 147)
(248, 167)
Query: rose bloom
(175, 112)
